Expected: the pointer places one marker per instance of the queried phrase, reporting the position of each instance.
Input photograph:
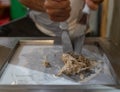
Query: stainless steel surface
(43, 88)
(4, 52)
(30, 54)
(112, 53)
(9, 45)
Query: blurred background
(11, 10)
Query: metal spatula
(79, 41)
(66, 41)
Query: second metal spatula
(82, 20)
(66, 41)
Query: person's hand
(58, 10)
(94, 4)
(37, 5)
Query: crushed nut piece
(46, 64)
(76, 65)
(82, 76)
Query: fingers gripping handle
(63, 25)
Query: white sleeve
(75, 29)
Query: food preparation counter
(7, 46)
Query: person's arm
(58, 10)
(37, 5)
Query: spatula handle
(63, 25)
(86, 9)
